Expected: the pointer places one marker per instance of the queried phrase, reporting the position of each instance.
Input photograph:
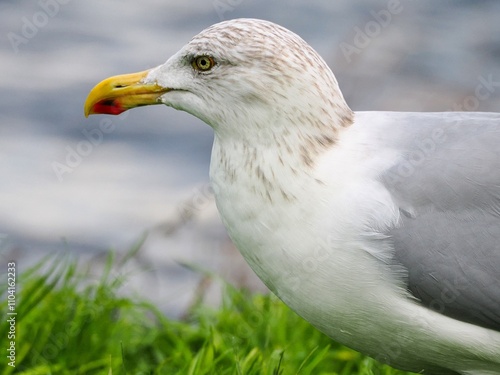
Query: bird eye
(203, 63)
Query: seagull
(382, 229)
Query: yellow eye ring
(203, 63)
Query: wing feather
(446, 184)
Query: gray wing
(447, 186)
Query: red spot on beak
(108, 107)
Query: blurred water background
(68, 187)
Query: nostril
(107, 102)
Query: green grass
(67, 324)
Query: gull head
(238, 76)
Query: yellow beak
(117, 94)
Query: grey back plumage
(447, 187)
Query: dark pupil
(203, 62)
